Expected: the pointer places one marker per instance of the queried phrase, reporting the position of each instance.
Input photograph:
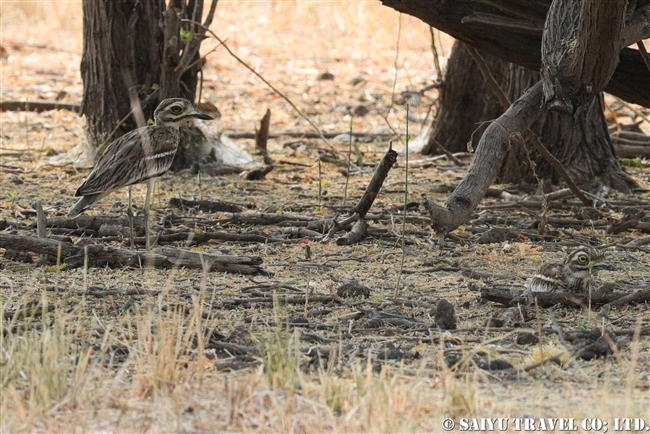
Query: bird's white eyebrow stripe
(161, 155)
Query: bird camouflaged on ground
(139, 156)
(572, 274)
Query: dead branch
(630, 80)
(232, 348)
(487, 162)
(631, 151)
(29, 310)
(41, 220)
(358, 231)
(38, 106)
(99, 256)
(206, 206)
(528, 133)
(572, 300)
(283, 300)
(513, 24)
(375, 184)
(190, 237)
(93, 223)
(636, 29)
(635, 297)
(360, 210)
(99, 292)
(369, 136)
(212, 262)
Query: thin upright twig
(644, 54)
(399, 34)
(406, 201)
(347, 177)
(434, 51)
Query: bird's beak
(202, 116)
(607, 267)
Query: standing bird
(138, 156)
(573, 274)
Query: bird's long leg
(130, 215)
(147, 207)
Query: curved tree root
(487, 161)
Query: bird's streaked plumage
(573, 274)
(138, 156)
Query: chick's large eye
(583, 259)
(176, 109)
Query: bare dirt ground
(135, 350)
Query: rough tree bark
(581, 142)
(574, 69)
(466, 104)
(146, 50)
(121, 50)
(512, 31)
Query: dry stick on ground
(287, 300)
(100, 292)
(448, 154)
(643, 241)
(376, 183)
(311, 135)
(206, 206)
(638, 296)
(359, 229)
(361, 208)
(300, 113)
(572, 300)
(632, 109)
(52, 252)
(38, 106)
(530, 135)
(202, 237)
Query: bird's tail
(82, 205)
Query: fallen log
(212, 262)
(206, 206)
(573, 300)
(38, 106)
(51, 252)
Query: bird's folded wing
(133, 158)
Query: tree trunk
(581, 143)
(512, 30)
(583, 81)
(466, 104)
(122, 51)
(140, 49)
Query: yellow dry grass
(57, 374)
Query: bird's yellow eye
(176, 109)
(583, 259)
